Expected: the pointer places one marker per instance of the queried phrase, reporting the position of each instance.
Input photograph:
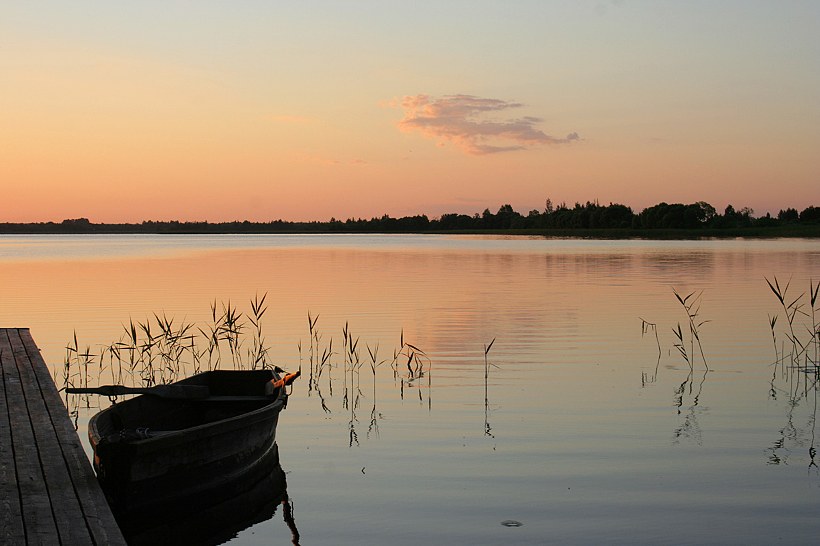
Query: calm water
(583, 432)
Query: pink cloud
(463, 120)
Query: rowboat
(202, 436)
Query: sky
(257, 110)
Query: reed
(231, 329)
(409, 365)
(795, 335)
(688, 343)
(77, 364)
(161, 349)
(487, 428)
(313, 344)
(691, 304)
(687, 340)
(646, 327)
(800, 351)
(414, 360)
(374, 362)
(258, 351)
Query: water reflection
(799, 430)
(567, 313)
(409, 367)
(670, 264)
(796, 369)
(797, 433)
(690, 428)
(217, 516)
(686, 340)
(648, 378)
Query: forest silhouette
(588, 219)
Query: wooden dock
(48, 491)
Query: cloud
(464, 121)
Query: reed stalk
(802, 332)
(162, 349)
(691, 304)
(487, 428)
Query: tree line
(561, 217)
(592, 215)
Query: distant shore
(236, 228)
(589, 220)
(796, 231)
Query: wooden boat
(154, 448)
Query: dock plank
(39, 524)
(11, 515)
(49, 492)
(98, 516)
(64, 502)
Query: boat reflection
(214, 516)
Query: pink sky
(208, 112)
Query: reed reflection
(795, 331)
(690, 428)
(648, 378)
(409, 366)
(690, 348)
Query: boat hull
(150, 450)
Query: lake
(544, 409)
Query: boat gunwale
(276, 404)
(169, 436)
